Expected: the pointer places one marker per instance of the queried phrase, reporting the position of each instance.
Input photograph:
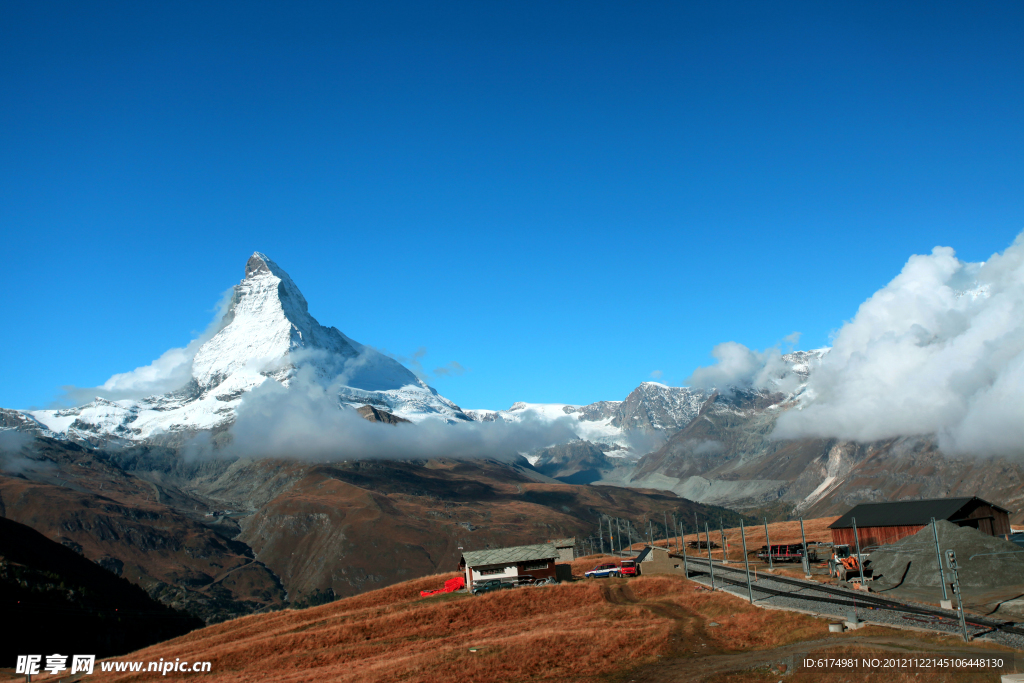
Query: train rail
(818, 593)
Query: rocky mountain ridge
(266, 334)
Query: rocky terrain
(726, 456)
(225, 537)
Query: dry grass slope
(597, 630)
(652, 629)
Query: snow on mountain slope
(653, 411)
(266, 334)
(598, 431)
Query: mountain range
(155, 480)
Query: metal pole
(860, 562)
(664, 518)
(686, 569)
(711, 563)
(954, 569)
(807, 562)
(960, 605)
(629, 536)
(746, 564)
(675, 528)
(600, 533)
(771, 563)
(725, 546)
(938, 558)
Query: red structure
(450, 586)
(881, 523)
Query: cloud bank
(304, 420)
(939, 350)
(740, 367)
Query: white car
(603, 571)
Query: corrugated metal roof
(520, 553)
(906, 512)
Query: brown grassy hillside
(780, 532)
(649, 628)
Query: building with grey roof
(537, 561)
(566, 548)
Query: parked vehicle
(489, 585)
(603, 571)
(844, 563)
(629, 568)
(522, 580)
(794, 552)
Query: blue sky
(561, 197)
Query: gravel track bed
(837, 602)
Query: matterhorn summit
(266, 334)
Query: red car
(629, 568)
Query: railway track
(815, 592)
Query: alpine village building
(537, 561)
(881, 523)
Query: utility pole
(686, 569)
(938, 558)
(611, 538)
(807, 562)
(664, 518)
(860, 562)
(600, 533)
(725, 546)
(711, 563)
(771, 563)
(675, 527)
(618, 530)
(629, 536)
(953, 568)
(746, 563)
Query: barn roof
(520, 553)
(908, 512)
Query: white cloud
(708, 447)
(939, 350)
(657, 374)
(171, 371)
(741, 367)
(304, 420)
(454, 368)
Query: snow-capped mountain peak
(267, 321)
(267, 334)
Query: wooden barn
(537, 561)
(881, 523)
